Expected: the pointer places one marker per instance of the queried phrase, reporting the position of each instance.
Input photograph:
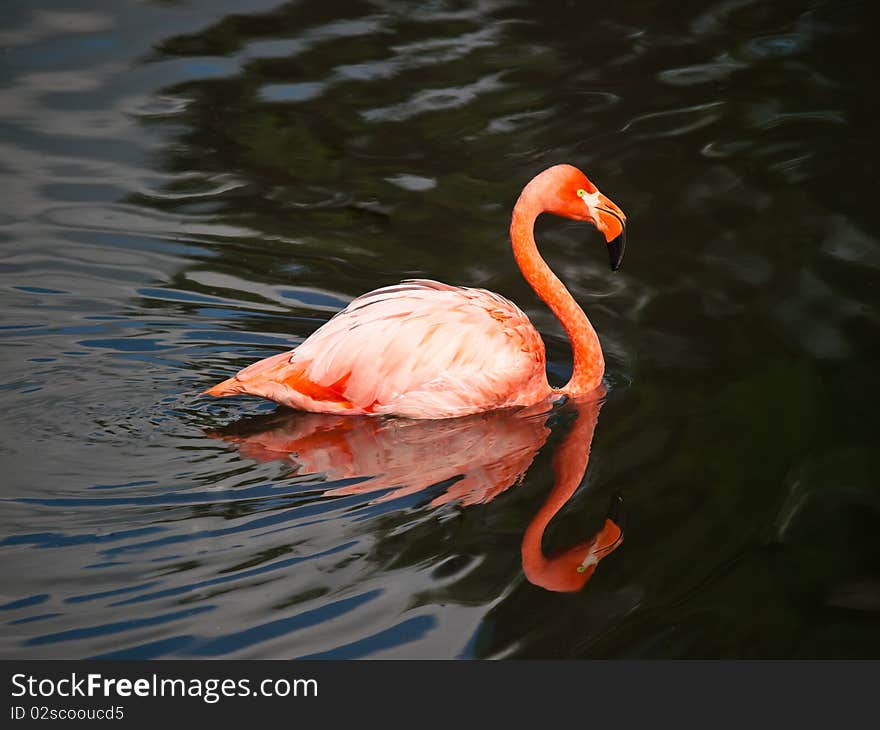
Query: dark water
(190, 186)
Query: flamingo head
(565, 191)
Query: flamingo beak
(615, 250)
(612, 222)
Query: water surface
(191, 186)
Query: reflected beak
(609, 537)
(612, 222)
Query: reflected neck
(559, 573)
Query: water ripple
(432, 100)
(675, 122)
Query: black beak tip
(615, 511)
(615, 250)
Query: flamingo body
(422, 349)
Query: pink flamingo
(485, 454)
(422, 349)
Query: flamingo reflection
(484, 454)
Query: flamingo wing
(420, 349)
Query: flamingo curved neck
(589, 364)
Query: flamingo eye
(581, 193)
